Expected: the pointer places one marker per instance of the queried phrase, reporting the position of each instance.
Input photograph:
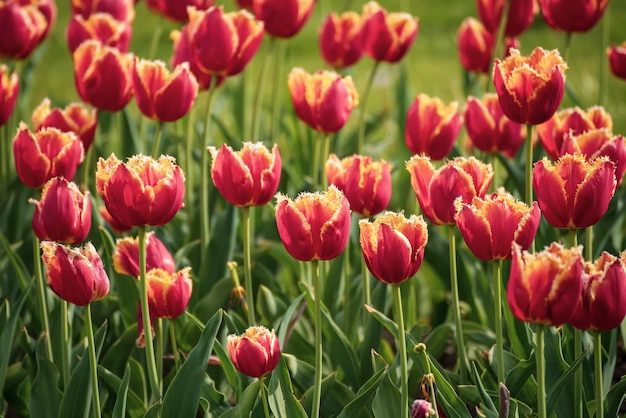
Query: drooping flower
(126, 255)
(283, 18)
(256, 352)
(572, 15)
(475, 46)
(341, 39)
(387, 36)
(9, 89)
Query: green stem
(317, 388)
(541, 372)
(258, 95)
(86, 167)
(204, 169)
(460, 344)
(529, 165)
(566, 46)
(174, 344)
(158, 333)
(247, 267)
(589, 243)
(367, 294)
(497, 282)
(145, 313)
(41, 296)
(404, 370)
(157, 140)
(4, 155)
(597, 364)
(498, 48)
(606, 31)
(494, 164)
(266, 407)
(276, 102)
(65, 344)
(346, 289)
(325, 152)
(365, 99)
(93, 362)
(578, 349)
(315, 169)
(189, 177)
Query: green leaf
(183, 395)
(18, 264)
(614, 398)
(281, 399)
(45, 396)
(489, 409)
(286, 323)
(154, 411)
(134, 406)
(560, 388)
(227, 366)
(452, 405)
(119, 410)
(246, 402)
(77, 395)
(363, 399)
(384, 320)
(387, 401)
(116, 357)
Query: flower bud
(256, 352)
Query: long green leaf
(386, 403)
(281, 398)
(119, 410)
(134, 406)
(363, 399)
(556, 392)
(246, 402)
(489, 409)
(452, 405)
(45, 396)
(227, 365)
(183, 395)
(614, 399)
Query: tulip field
(280, 208)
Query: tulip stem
(158, 335)
(606, 31)
(258, 95)
(578, 350)
(93, 362)
(315, 169)
(189, 171)
(317, 388)
(541, 372)
(266, 408)
(367, 294)
(460, 345)
(589, 243)
(279, 58)
(404, 370)
(247, 268)
(145, 313)
(325, 152)
(347, 289)
(204, 168)
(41, 295)
(597, 360)
(497, 290)
(65, 344)
(174, 344)
(157, 140)
(529, 164)
(498, 51)
(366, 95)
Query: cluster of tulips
(561, 288)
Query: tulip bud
(9, 89)
(475, 45)
(101, 27)
(341, 39)
(617, 60)
(387, 36)
(75, 117)
(126, 256)
(283, 18)
(256, 352)
(168, 293)
(520, 16)
(24, 26)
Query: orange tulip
(122, 10)
(126, 256)
(387, 36)
(24, 25)
(617, 60)
(9, 89)
(432, 126)
(323, 100)
(438, 189)
(544, 287)
(283, 18)
(141, 191)
(393, 246)
(176, 10)
(530, 89)
(475, 46)
(520, 16)
(341, 39)
(99, 26)
(314, 226)
(574, 193)
(168, 293)
(256, 352)
(572, 15)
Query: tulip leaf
(133, 405)
(387, 401)
(227, 366)
(614, 398)
(489, 409)
(384, 320)
(183, 395)
(286, 325)
(77, 395)
(559, 376)
(562, 387)
(119, 410)
(359, 406)
(116, 357)
(18, 264)
(246, 402)
(45, 397)
(452, 405)
(281, 399)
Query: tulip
(9, 89)
(256, 352)
(168, 292)
(63, 214)
(475, 45)
(117, 227)
(387, 36)
(530, 89)
(520, 16)
(323, 100)
(574, 193)
(571, 121)
(121, 10)
(341, 39)
(142, 191)
(489, 226)
(102, 76)
(314, 226)
(248, 177)
(545, 287)
(421, 408)
(393, 246)
(366, 183)
(245, 4)
(602, 304)
(24, 26)
(617, 60)
(160, 94)
(75, 117)
(572, 15)
(126, 256)
(176, 10)
(432, 126)
(182, 53)
(99, 26)
(76, 275)
(45, 154)
(437, 190)
(489, 129)
(283, 18)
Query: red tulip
(366, 183)
(283, 18)
(244, 4)
(45, 154)
(314, 226)
(437, 190)
(393, 246)
(432, 126)
(475, 46)
(168, 293)
(489, 129)
(182, 53)
(544, 287)
(387, 36)
(9, 89)
(176, 10)
(163, 95)
(126, 256)
(63, 214)
(256, 352)
(142, 191)
(75, 117)
(122, 10)
(341, 39)
(76, 275)
(102, 76)
(248, 177)
(617, 60)
(101, 27)
(520, 16)
(530, 89)
(117, 227)
(572, 15)
(603, 298)
(323, 100)
(574, 193)
(489, 226)
(22, 29)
